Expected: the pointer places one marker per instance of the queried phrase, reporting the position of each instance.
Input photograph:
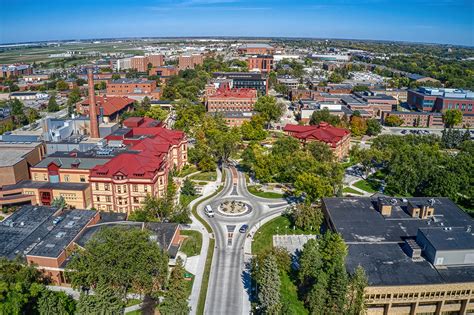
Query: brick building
(235, 99)
(108, 107)
(237, 118)
(15, 70)
(156, 60)
(15, 160)
(163, 72)
(256, 49)
(246, 80)
(417, 252)
(338, 139)
(189, 61)
(263, 63)
(133, 88)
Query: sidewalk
(196, 225)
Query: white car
(208, 211)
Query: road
(228, 291)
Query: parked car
(243, 228)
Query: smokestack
(92, 106)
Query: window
(108, 199)
(135, 188)
(145, 188)
(136, 200)
(109, 208)
(66, 178)
(97, 198)
(107, 187)
(124, 188)
(96, 186)
(119, 189)
(82, 178)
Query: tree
(324, 115)
(52, 104)
(320, 151)
(116, 76)
(146, 103)
(268, 107)
(188, 188)
(157, 113)
(254, 129)
(59, 202)
(73, 98)
(62, 85)
(452, 117)
(356, 298)
(105, 300)
(358, 126)
(32, 115)
(51, 302)
(373, 127)
(360, 88)
(307, 217)
(120, 259)
(313, 186)
(268, 281)
(393, 121)
(335, 78)
(176, 295)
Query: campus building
(109, 108)
(226, 99)
(263, 63)
(15, 70)
(189, 61)
(439, 100)
(338, 139)
(247, 80)
(46, 236)
(256, 49)
(133, 88)
(15, 160)
(418, 253)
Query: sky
(433, 21)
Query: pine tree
(176, 300)
(268, 282)
(356, 299)
(316, 300)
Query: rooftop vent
(412, 249)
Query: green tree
(115, 76)
(270, 110)
(253, 129)
(358, 126)
(313, 186)
(307, 217)
(452, 117)
(393, 121)
(59, 202)
(52, 104)
(324, 115)
(122, 260)
(55, 303)
(73, 98)
(176, 295)
(61, 85)
(320, 151)
(356, 297)
(373, 127)
(105, 300)
(188, 188)
(268, 281)
(157, 113)
(32, 115)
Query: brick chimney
(92, 106)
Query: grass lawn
(192, 244)
(264, 194)
(1, 217)
(289, 296)
(350, 191)
(367, 185)
(263, 239)
(205, 278)
(131, 302)
(185, 200)
(137, 312)
(188, 169)
(207, 176)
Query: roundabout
(234, 208)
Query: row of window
(119, 200)
(460, 106)
(423, 295)
(123, 188)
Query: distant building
(289, 82)
(16, 158)
(440, 100)
(163, 72)
(247, 80)
(133, 88)
(139, 63)
(226, 99)
(330, 57)
(189, 61)
(263, 63)
(15, 70)
(108, 107)
(417, 252)
(25, 96)
(236, 118)
(338, 139)
(256, 49)
(156, 60)
(420, 78)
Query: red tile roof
(234, 93)
(111, 104)
(323, 132)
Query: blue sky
(439, 21)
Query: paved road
(228, 291)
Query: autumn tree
(452, 117)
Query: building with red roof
(226, 99)
(338, 139)
(109, 107)
(121, 184)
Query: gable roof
(111, 104)
(323, 132)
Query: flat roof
(448, 238)
(376, 242)
(48, 185)
(67, 162)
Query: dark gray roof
(375, 242)
(66, 162)
(47, 185)
(240, 75)
(63, 233)
(447, 238)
